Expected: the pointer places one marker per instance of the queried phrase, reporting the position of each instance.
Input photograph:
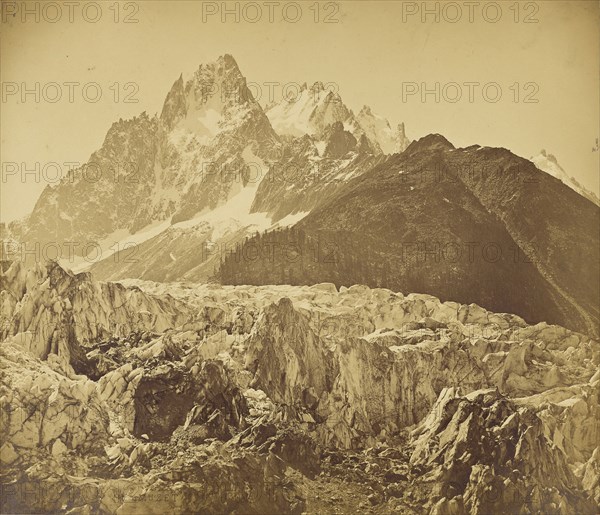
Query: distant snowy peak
(315, 108)
(308, 112)
(549, 164)
(378, 129)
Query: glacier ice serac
(139, 396)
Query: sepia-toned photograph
(300, 257)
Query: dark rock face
(174, 107)
(162, 399)
(338, 141)
(169, 397)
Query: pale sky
(369, 54)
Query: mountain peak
(430, 142)
(310, 112)
(380, 132)
(174, 105)
(549, 164)
(317, 87)
(224, 67)
(228, 61)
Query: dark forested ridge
(473, 225)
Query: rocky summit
(144, 398)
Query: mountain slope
(310, 170)
(210, 141)
(472, 224)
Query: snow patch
(292, 219)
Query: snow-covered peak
(308, 112)
(365, 111)
(549, 164)
(378, 129)
(214, 99)
(315, 108)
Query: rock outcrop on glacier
(278, 399)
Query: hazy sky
(369, 53)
